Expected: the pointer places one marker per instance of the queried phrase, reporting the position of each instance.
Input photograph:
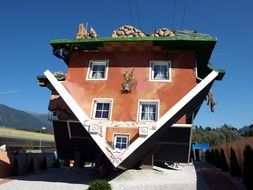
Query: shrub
(212, 157)
(208, 156)
(235, 169)
(15, 166)
(223, 161)
(44, 164)
(248, 167)
(100, 185)
(66, 163)
(31, 166)
(56, 163)
(217, 158)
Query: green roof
(202, 45)
(132, 39)
(167, 43)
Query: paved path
(75, 179)
(208, 178)
(215, 179)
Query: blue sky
(27, 26)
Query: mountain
(18, 119)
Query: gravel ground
(78, 179)
(158, 178)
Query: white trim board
(182, 125)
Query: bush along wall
(31, 166)
(208, 156)
(248, 167)
(66, 163)
(235, 169)
(217, 158)
(213, 156)
(56, 163)
(15, 166)
(43, 165)
(223, 161)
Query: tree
(248, 167)
(208, 156)
(15, 167)
(235, 169)
(217, 158)
(44, 163)
(212, 157)
(213, 137)
(31, 166)
(223, 161)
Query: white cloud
(9, 92)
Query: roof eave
(220, 71)
(99, 41)
(201, 45)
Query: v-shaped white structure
(165, 121)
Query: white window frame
(97, 62)
(148, 102)
(122, 136)
(160, 62)
(101, 100)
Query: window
(148, 111)
(120, 141)
(160, 71)
(98, 70)
(102, 109)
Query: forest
(215, 136)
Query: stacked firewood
(163, 32)
(128, 31)
(82, 32)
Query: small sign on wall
(93, 128)
(143, 130)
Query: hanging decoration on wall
(127, 84)
(210, 101)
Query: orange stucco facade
(132, 133)
(125, 105)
